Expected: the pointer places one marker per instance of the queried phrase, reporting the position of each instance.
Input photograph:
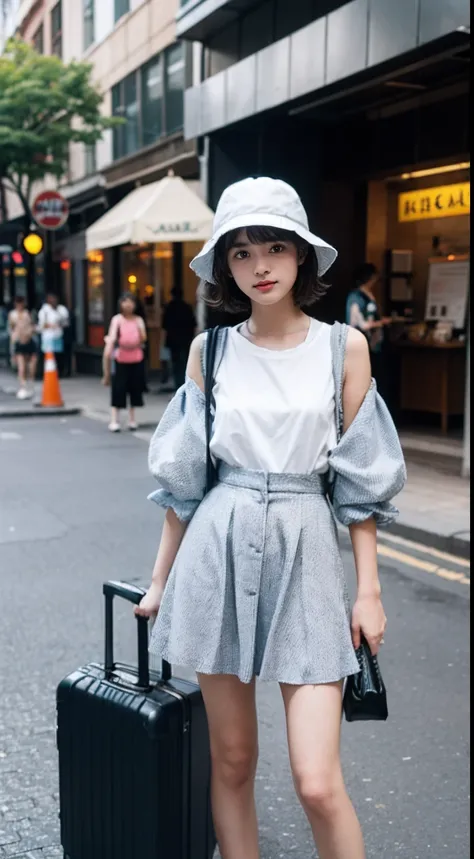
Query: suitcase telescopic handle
(132, 594)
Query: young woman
(249, 580)
(124, 345)
(22, 331)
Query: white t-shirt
(56, 317)
(275, 410)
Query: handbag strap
(339, 333)
(209, 363)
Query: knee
(234, 765)
(321, 794)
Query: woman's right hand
(151, 602)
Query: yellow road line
(426, 550)
(426, 566)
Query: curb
(451, 543)
(40, 412)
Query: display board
(448, 287)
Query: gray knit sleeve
(177, 453)
(367, 465)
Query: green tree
(45, 106)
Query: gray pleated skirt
(258, 586)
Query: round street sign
(50, 210)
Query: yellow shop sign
(442, 202)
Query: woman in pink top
(124, 344)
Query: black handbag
(211, 350)
(365, 696)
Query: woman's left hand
(368, 619)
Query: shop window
(57, 30)
(121, 7)
(95, 299)
(88, 10)
(38, 40)
(90, 160)
(175, 84)
(152, 100)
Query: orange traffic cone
(51, 389)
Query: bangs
(261, 236)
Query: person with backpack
(123, 361)
(22, 329)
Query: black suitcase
(134, 762)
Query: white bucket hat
(261, 202)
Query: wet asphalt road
(73, 512)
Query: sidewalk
(434, 506)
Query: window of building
(121, 7)
(175, 85)
(118, 132)
(90, 159)
(38, 40)
(152, 100)
(89, 35)
(130, 103)
(57, 30)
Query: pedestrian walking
(362, 312)
(257, 588)
(22, 330)
(123, 362)
(179, 323)
(53, 319)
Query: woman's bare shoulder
(194, 368)
(357, 344)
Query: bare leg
(21, 364)
(131, 415)
(232, 718)
(313, 715)
(32, 367)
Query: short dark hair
(364, 272)
(20, 299)
(224, 294)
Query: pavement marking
(10, 436)
(426, 566)
(427, 550)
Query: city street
(73, 512)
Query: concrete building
(355, 103)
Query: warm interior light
(95, 256)
(132, 278)
(149, 289)
(451, 257)
(434, 171)
(65, 265)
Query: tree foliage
(45, 105)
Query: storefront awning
(164, 211)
